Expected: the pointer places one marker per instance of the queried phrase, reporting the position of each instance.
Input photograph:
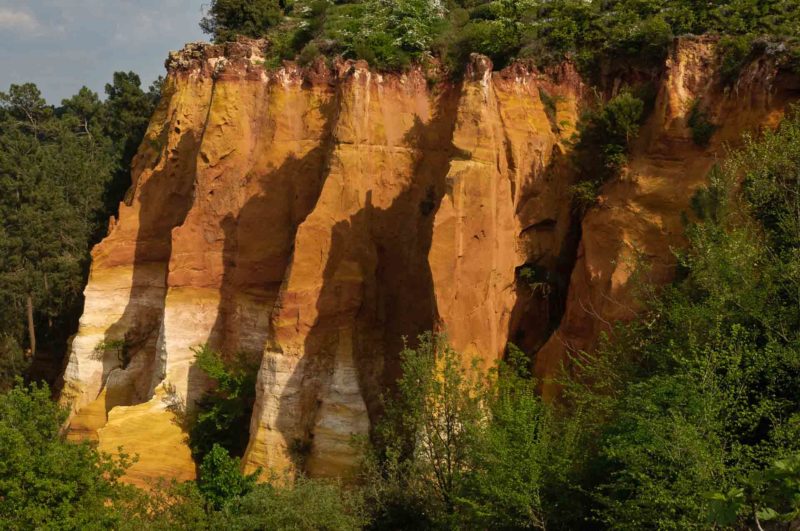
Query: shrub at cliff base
(47, 482)
(460, 451)
(223, 413)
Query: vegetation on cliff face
(603, 141)
(62, 173)
(223, 413)
(699, 395)
(390, 34)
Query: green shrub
(702, 128)
(774, 495)
(227, 18)
(735, 52)
(224, 498)
(309, 54)
(432, 454)
(223, 413)
(167, 506)
(458, 450)
(221, 479)
(604, 137)
(584, 196)
(47, 482)
(511, 455)
(305, 505)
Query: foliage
(700, 393)
(221, 479)
(224, 498)
(595, 32)
(702, 128)
(52, 181)
(780, 492)
(118, 347)
(306, 505)
(62, 173)
(224, 410)
(167, 506)
(429, 429)
(227, 18)
(47, 482)
(604, 136)
(125, 115)
(735, 51)
(511, 455)
(12, 362)
(774, 493)
(584, 195)
(461, 451)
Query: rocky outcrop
(316, 216)
(640, 215)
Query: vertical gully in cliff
(141, 323)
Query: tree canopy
(390, 34)
(63, 172)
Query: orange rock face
(317, 216)
(640, 214)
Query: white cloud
(19, 21)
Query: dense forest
(594, 33)
(63, 172)
(687, 417)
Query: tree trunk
(31, 329)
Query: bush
(606, 133)
(456, 450)
(428, 430)
(701, 126)
(735, 52)
(224, 498)
(224, 412)
(306, 505)
(511, 455)
(583, 196)
(221, 479)
(227, 18)
(47, 482)
(604, 137)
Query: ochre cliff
(640, 215)
(316, 216)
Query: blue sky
(62, 45)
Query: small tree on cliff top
(227, 18)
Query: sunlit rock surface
(318, 215)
